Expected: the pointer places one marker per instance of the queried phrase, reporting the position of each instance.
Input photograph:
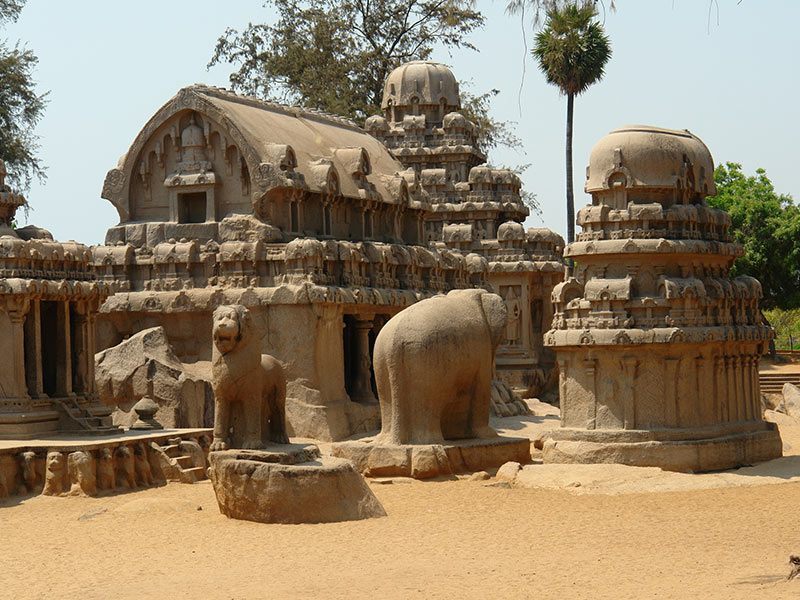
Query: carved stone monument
(49, 299)
(298, 215)
(658, 348)
(475, 209)
(249, 388)
(264, 478)
(433, 369)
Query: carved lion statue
(249, 388)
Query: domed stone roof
(426, 81)
(642, 156)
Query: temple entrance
(49, 348)
(358, 338)
(192, 207)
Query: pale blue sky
(110, 65)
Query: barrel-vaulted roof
(283, 146)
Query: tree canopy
(767, 224)
(335, 55)
(21, 107)
(572, 51)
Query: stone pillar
(33, 350)
(719, 393)
(671, 392)
(91, 321)
(704, 410)
(629, 399)
(362, 388)
(590, 367)
(731, 391)
(64, 351)
(17, 318)
(562, 363)
(747, 391)
(756, 386)
(737, 384)
(79, 347)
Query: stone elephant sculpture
(433, 366)
(249, 388)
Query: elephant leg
(222, 421)
(425, 415)
(481, 402)
(386, 400)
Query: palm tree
(572, 51)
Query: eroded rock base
(290, 483)
(424, 461)
(709, 449)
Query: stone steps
(86, 422)
(772, 383)
(178, 466)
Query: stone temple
(49, 300)
(475, 209)
(658, 348)
(299, 216)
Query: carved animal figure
(246, 381)
(433, 368)
(124, 471)
(81, 469)
(144, 475)
(32, 471)
(105, 469)
(55, 478)
(8, 475)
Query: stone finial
(146, 409)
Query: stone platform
(290, 483)
(694, 450)
(125, 461)
(424, 461)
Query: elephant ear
(494, 309)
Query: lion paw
(217, 445)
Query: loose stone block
(290, 484)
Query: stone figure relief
(514, 321)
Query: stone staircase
(82, 419)
(772, 382)
(179, 460)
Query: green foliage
(21, 107)
(336, 54)
(535, 8)
(10, 9)
(572, 49)
(786, 324)
(491, 132)
(767, 224)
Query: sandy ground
(711, 536)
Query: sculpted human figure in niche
(249, 388)
(514, 315)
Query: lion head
(231, 324)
